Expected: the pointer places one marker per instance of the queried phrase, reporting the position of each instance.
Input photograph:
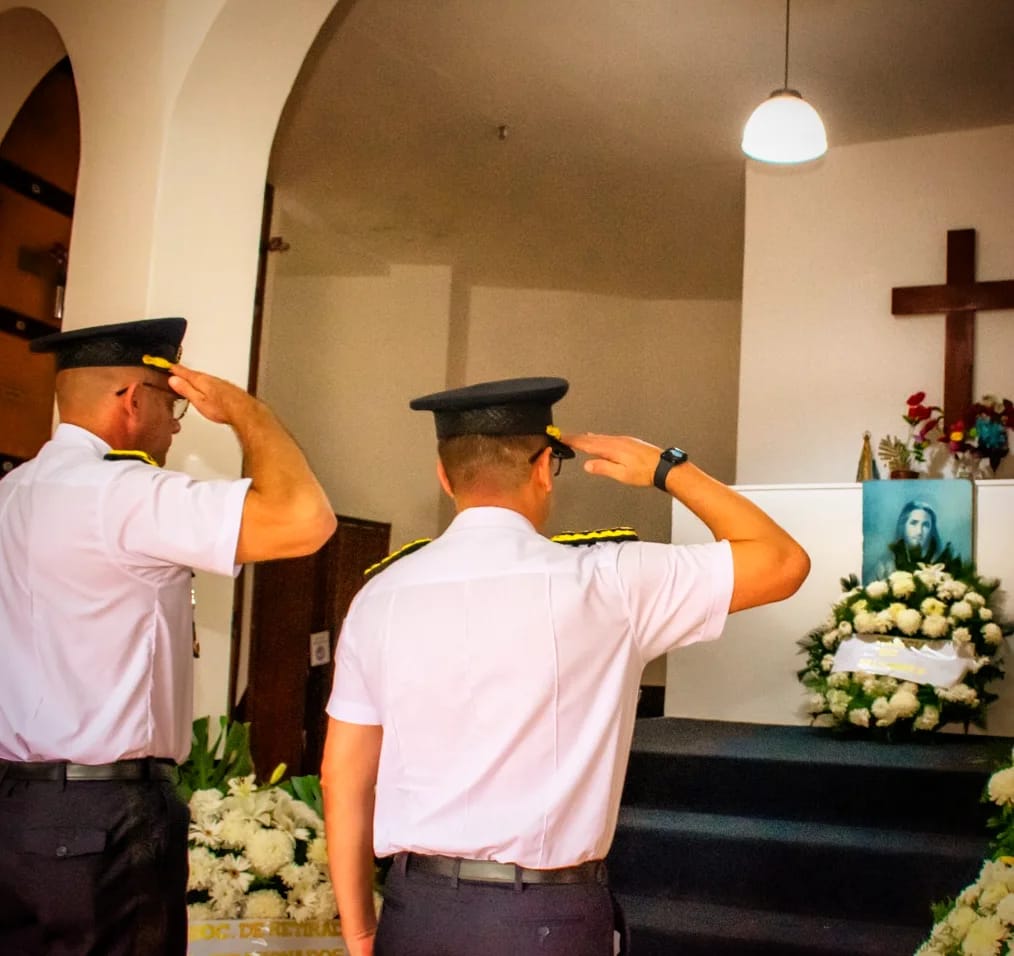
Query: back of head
(488, 464)
(490, 434)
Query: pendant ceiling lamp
(784, 128)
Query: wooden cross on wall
(960, 299)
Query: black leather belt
(141, 768)
(489, 871)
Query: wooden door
(38, 175)
(293, 599)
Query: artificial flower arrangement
(979, 435)
(980, 922)
(906, 654)
(256, 851)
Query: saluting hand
(627, 460)
(215, 398)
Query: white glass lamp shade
(784, 129)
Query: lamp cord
(786, 85)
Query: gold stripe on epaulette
(118, 454)
(394, 555)
(594, 537)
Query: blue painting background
(951, 499)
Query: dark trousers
(426, 915)
(92, 867)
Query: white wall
(664, 371)
(342, 358)
(823, 359)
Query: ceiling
(594, 144)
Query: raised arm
(769, 564)
(286, 512)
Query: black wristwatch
(668, 460)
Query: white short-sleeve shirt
(504, 669)
(95, 601)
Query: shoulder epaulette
(578, 538)
(117, 454)
(374, 569)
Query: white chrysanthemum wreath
(980, 922)
(257, 853)
(909, 653)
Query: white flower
(984, 936)
(961, 610)
(830, 639)
(985, 614)
(885, 621)
(992, 634)
(860, 717)
(205, 803)
(316, 852)
(902, 583)
(815, 704)
(202, 866)
(932, 606)
(904, 702)
(865, 623)
(845, 628)
(909, 621)
(861, 605)
(974, 598)
(1001, 787)
(264, 904)
(877, 589)
(961, 918)
(839, 679)
(928, 719)
(959, 694)
(205, 831)
(1005, 909)
(838, 702)
(961, 635)
(242, 786)
(237, 828)
(827, 662)
(269, 850)
(935, 626)
(951, 590)
(991, 895)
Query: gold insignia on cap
(553, 432)
(158, 361)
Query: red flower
(917, 399)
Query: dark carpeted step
(932, 784)
(668, 928)
(792, 866)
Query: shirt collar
(76, 435)
(490, 517)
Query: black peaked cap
(152, 343)
(512, 406)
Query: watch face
(675, 455)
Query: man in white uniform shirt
(485, 687)
(97, 543)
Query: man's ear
(544, 471)
(129, 401)
(445, 482)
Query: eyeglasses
(180, 404)
(552, 453)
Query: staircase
(759, 840)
